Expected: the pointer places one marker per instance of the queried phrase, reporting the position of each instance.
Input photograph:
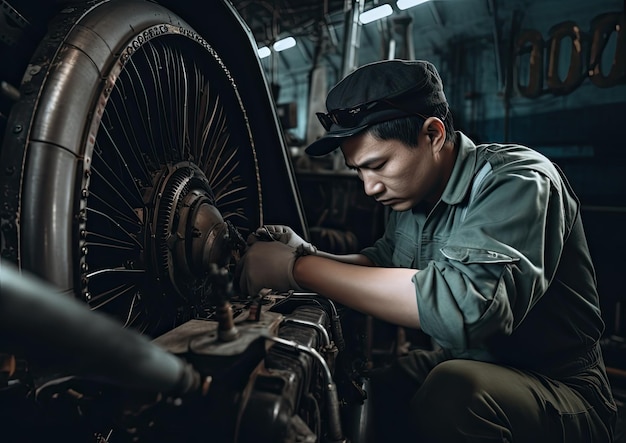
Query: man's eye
(378, 167)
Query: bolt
(17, 129)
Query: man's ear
(435, 130)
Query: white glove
(267, 264)
(286, 235)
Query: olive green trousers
(423, 399)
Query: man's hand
(267, 264)
(286, 235)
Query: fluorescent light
(264, 51)
(406, 4)
(283, 44)
(376, 13)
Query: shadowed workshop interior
(142, 141)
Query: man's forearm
(385, 293)
(354, 259)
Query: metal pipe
(335, 433)
(40, 323)
(352, 36)
(335, 321)
(310, 324)
(496, 41)
(363, 419)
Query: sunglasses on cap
(357, 115)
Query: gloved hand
(286, 235)
(267, 264)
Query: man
(484, 251)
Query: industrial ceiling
(319, 28)
(446, 32)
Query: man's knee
(451, 385)
(455, 400)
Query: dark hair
(406, 129)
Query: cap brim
(331, 140)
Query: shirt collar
(462, 173)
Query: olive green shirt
(505, 273)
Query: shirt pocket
(475, 255)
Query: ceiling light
(406, 4)
(264, 51)
(376, 13)
(283, 44)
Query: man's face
(395, 174)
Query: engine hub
(188, 231)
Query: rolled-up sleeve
(462, 304)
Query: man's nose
(372, 185)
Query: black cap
(374, 93)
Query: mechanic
(484, 250)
